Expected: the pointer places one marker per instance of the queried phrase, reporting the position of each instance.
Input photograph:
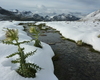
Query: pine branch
(12, 55)
(30, 53)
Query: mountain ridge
(28, 15)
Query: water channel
(72, 62)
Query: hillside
(94, 16)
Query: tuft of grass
(90, 47)
(79, 42)
(62, 37)
(98, 36)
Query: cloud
(89, 2)
(84, 6)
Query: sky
(51, 6)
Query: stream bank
(73, 62)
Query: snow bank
(42, 57)
(87, 31)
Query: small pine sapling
(35, 33)
(25, 69)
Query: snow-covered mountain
(51, 15)
(28, 15)
(77, 14)
(47, 16)
(6, 15)
(5, 12)
(94, 16)
(65, 17)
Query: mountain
(48, 14)
(47, 18)
(37, 17)
(29, 16)
(77, 14)
(65, 17)
(92, 16)
(5, 14)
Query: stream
(72, 62)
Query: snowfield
(87, 31)
(42, 57)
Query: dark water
(73, 62)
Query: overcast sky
(63, 6)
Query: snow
(87, 31)
(42, 57)
(92, 16)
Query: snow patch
(42, 57)
(87, 31)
